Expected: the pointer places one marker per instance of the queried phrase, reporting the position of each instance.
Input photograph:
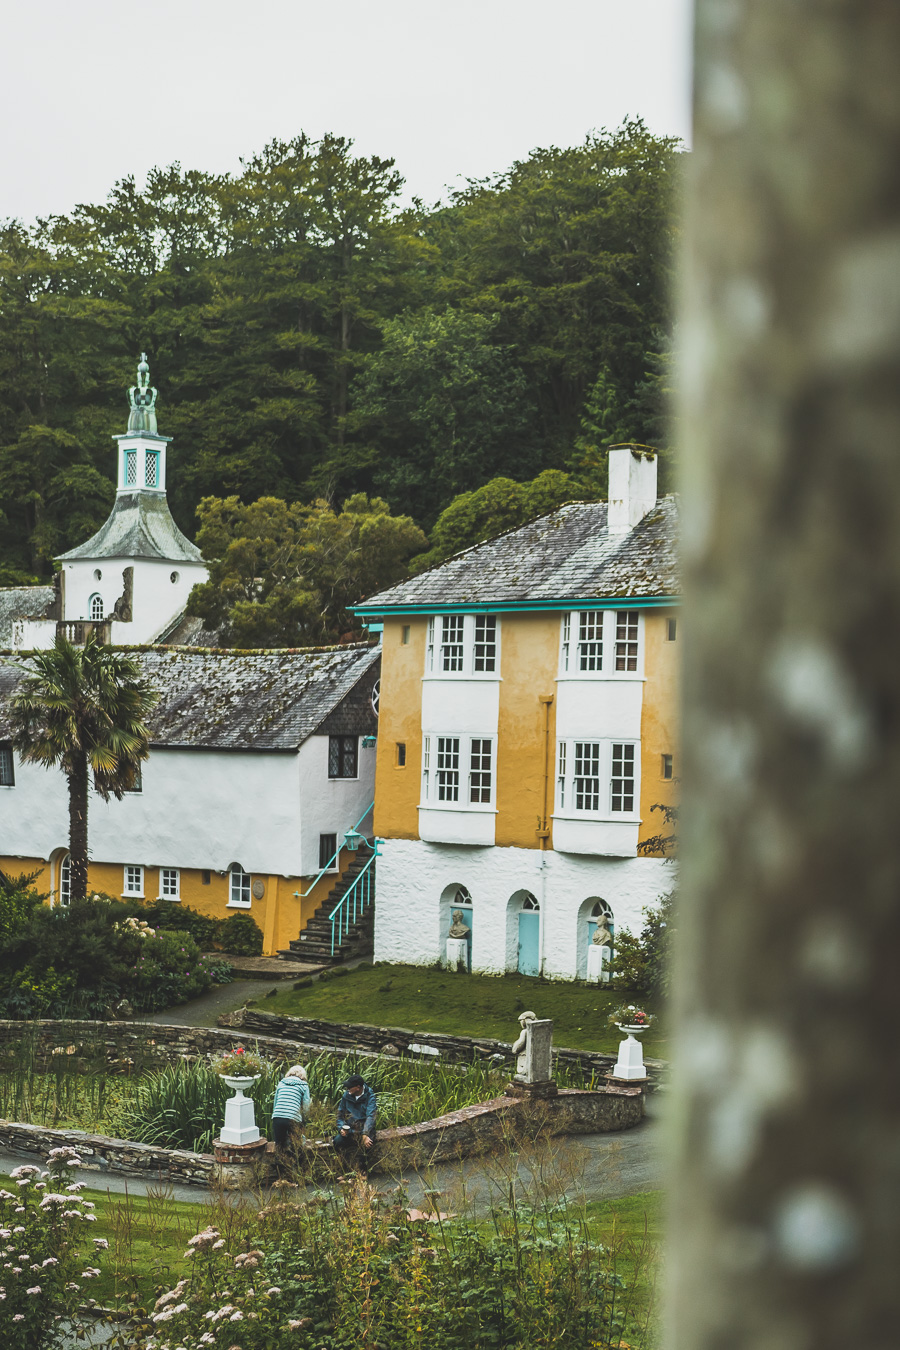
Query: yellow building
(528, 725)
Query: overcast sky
(94, 90)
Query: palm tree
(84, 709)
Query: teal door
(529, 943)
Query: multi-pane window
(95, 610)
(485, 650)
(151, 469)
(134, 881)
(426, 767)
(65, 880)
(452, 642)
(239, 887)
(590, 640)
(7, 767)
(328, 851)
(448, 768)
(462, 644)
(342, 756)
(168, 883)
(587, 776)
(131, 468)
(586, 649)
(561, 775)
(626, 639)
(622, 781)
(480, 771)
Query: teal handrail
(334, 857)
(359, 897)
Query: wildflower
(52, 1261)
(217, 1245)
(102, 1243)
(273, 1291)
(90, 1273)
(25, 1171)
(236, 1316)
(35, 1289)
(19, 1317)
(75, 1186)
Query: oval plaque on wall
(259, 889)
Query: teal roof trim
(521, 606)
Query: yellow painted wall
(528, 665)
(659, 719)
(400, 721)
(280, 914)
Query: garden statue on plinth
(458, 943)
(629, 1067)
(240, 1147)
(600, 953)
(533, 1049)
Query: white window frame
(456, 659)
(96, 602)
(602, 646)
(128, 882)
(465, 769)
(567, 793)
(165, 874)
(64, 888)
(239, 882)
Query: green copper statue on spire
(142, 400)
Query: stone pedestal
(240, 1120)
(542, 1090)
(238, 1166)
(598, 959)
(629, 1067)
(538, 1045)
(457, 951)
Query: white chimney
(632, 487)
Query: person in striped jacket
(291, 1105)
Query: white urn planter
(630, 1064)
(240, 1114)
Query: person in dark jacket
(356, 1119)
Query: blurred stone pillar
(786, 1208)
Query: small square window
(342, 756)
(405, 638)
(168, 883)
(667, 767)
(671, 629)
(401, 754)
(205, 877)
(134, 881)
(328, 852)
(7, 767)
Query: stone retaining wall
(99, 1154)
(372, 1039)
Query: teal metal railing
(354, 902)
(301, 895)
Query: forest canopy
(313, 340)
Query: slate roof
(23, 602)
(140, 525)
(262, 700)
(566, 555)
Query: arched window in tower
(95, 607)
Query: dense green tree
(83, 710)
(283, 575)
(446, 408)
(499, 505)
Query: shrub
(641, 963)
(203, 929)
(43, 1277)
(241, 935)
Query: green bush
(241, 935)
(641, 963)
(164, 914)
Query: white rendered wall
(157, 600)
(599, 709)
(416, 881)
(33, 634)
(331, 805)
(456, 705)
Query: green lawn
(422, 998)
